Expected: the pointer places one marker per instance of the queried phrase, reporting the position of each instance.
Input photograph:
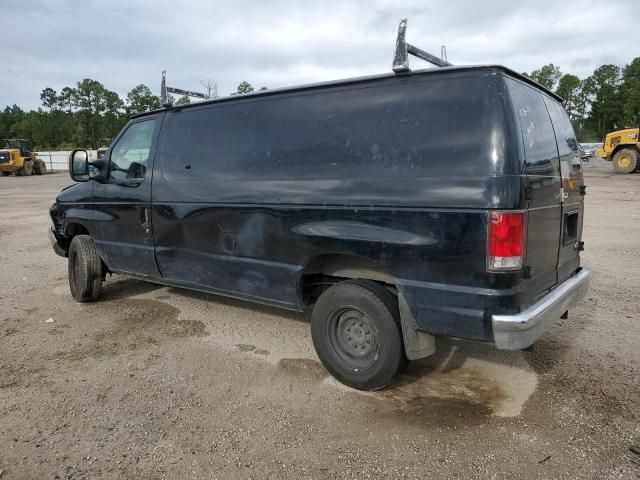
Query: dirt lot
(155, 382)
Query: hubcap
(353, 338)
(624, 161)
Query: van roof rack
(165, 98)
(404, 49)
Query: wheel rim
(353, 338)
(624, 161)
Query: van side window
(130, 155)
(537, 132)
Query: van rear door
(572, 191)
(542, 183)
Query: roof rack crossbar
(404, 49)
(165, 99)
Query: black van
(444, 201)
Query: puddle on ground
(463, 379)
(138, 323)
(244, 347)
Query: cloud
(284, 42)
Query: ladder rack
(404, 49)
(165, 99)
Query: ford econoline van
(404, 207)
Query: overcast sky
(123, 43)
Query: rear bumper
(517, 331)
(55, 244)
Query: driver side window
(130, 155)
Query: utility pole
(211, 86)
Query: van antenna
(165, 98)
(443, 53)
(404, 49)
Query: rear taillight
(506, 241)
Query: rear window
(404, 128)
(541, 154)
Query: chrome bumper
(514, 332)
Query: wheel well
(325, 270)
(74, 229)
(620, 146)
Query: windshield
(9, 143)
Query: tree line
(606, 100)
(80, 116)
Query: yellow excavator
(622, 147)
(16, 157)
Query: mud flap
(416, 344)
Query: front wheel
(40, 167)
(355, 326)
(85, 269)
(625, 161)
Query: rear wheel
(85, 269)
(355, 326)
(625, 160)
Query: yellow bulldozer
(622, 147)
(16, 157)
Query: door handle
(145, 219)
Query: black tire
(26, 169)
(625, 160)
(6, 174)
(85, 269)
(40, 167)
(355, 326)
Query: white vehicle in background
(588, 150)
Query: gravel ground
(155, 382)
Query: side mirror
(79, 166)
(81, 170)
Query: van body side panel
(436, 257)
(401, 173)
